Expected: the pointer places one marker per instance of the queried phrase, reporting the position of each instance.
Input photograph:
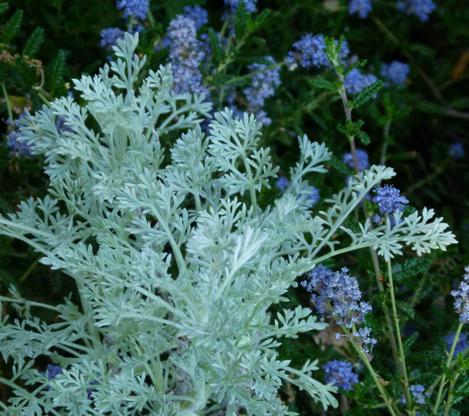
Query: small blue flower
(461, 298)
(134, 8)
(185, 55)
(375, 218)
(457, 151)
(53, 371)
(340, 373)
(282, 183)
(265, 79)
(364, 339)
(110, 36)
(395, 72)
(198, 14)
(16, 146)
(356, 81)
(461, 345)
(422, 9)
(389, 199)
(250, 5)
(418, 393)
(362, 159)
(362, 8)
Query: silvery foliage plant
(176, 262)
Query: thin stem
(374, 255)
(387, 313)
(174, 246)
(399, 338)
(28, 302)
(386, 130)
(374, 375)
(7, 102)
(448, 364)
(29, 271)
(449, 400)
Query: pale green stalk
(448, 364)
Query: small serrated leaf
(241, 20)
(363, 137)
(410, 341)
(215, 46)
(12, 26)
(366, 94)
(34, 42)
(406, 309)
(56, 72)
(324, 84)
(260, 20)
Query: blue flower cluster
(422, 9)
(264, 81)
(389, 199)
(198, 14)
(364, 338)
(282, 183)
(110, 36)
(340, 373)
(418, 393)
(337, 295)
(250, 5)
(461, 345)
(52, 371)
(137, 9)
(356, 81)
(185, 55)
(395, 72)
(456, 151)
(362, 8)
(308, 52)
(461, 298)
(14, 143)
(362, 159)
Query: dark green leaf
(56, 73)
(410, 341)
(324, 84)
(410, 268)
(12, 26)
(34, 42)
(217, 53)
(366, 94)
(406, 309)
(241, 20)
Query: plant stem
(448, 364)
(29, 271)
(7, 102)
(399, 338)
(387, 128)
(374, 255)
(374, 375)
(450, 395)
